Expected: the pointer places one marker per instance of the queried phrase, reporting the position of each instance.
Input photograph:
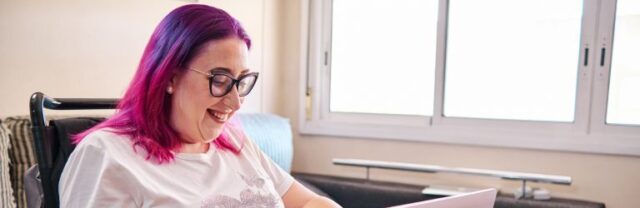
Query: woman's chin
(210, 136)
(208, 141)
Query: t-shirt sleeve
(282, 180)
(91, 178)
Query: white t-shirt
(105, 171)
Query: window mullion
(441, 48)
(600, 80)
(587, 64)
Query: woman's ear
(172, 83)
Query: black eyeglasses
(220, 84)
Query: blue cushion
(272, 134)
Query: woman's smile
(218, 116)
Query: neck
(198, 147)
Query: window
(518, 63)
(533, 74)
(383, 63)
(624, 85)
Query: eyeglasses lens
(222, 84)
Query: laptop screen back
(478, 199)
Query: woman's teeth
(220, 116)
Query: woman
(172, 142)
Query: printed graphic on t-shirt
(255, 195)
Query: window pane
(624, 84)
(512, 59)
(383, 56)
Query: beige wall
(91, 48)
(77, 49)
(614, 180)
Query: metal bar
(524, 189)
(508, 175)
(80, 103)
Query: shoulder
(103, 138)
(93, 150)
(108, 146)
(107, 141)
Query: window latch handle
(586, 56)
(602, 53)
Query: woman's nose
(233, 99)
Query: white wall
(614, 180)
(91, 48)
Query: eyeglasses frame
(234, 82)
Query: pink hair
(143, 113)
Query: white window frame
(588, 132)
(625, 134)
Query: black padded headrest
(61, 130)
(65, 128)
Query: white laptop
(478, 199)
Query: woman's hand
(320, 201)
(300, 196)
